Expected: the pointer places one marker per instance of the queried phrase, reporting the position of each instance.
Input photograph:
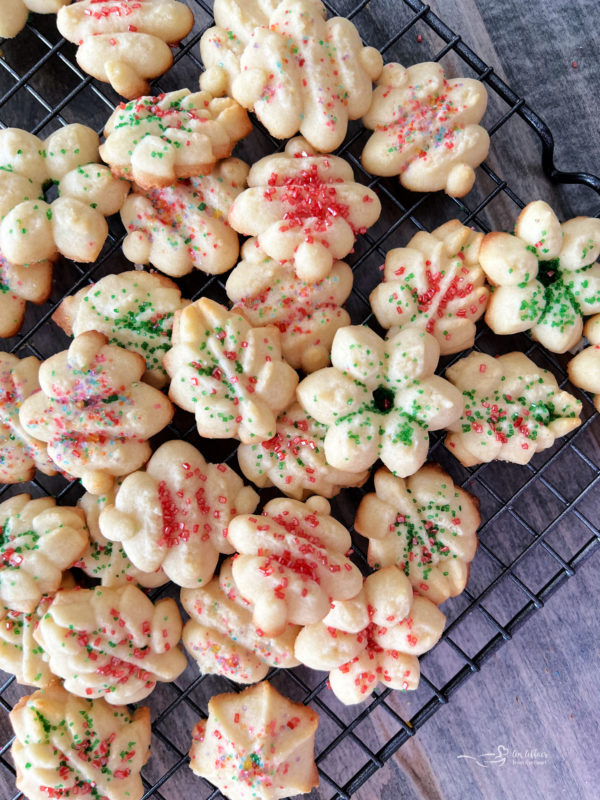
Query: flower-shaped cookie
(513, 409)
(19, 284)
(545, 276)
(155, 140)
(380, 399)
(133, 309)
(33, 230)
(269, 292)
(20, 454)
(68, 747)
(174, 515)
(107, 560)
(15, 13)
(425, 525)
(38, 540)
(435, 283)
(256, 744)
(305, 208)
(230, 375)
(374, 638)
(112, 642)
(425, 129)
(584, 369)
(294, 459)
(184, 226)
(220, 635)
(125, 42)
(296, 70)
(292, 562)
(93, 412)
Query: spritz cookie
(94, 412)
(19, 285)
(15, 13)
(304, 207)
(425, 129)
(256, 744)
(584, 369)
(297, 71)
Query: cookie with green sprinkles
(425, 525)
(256, 744)
(512, 409)
(221, 637)
(374, 638)
(69, 747)
(268, 292)
(380, 399)
(38, 541)
(231, 376)
(112, 642)
(133, 309)
(546, 277)
(19, 285)
(436, 284)
(584, 368)
(173, 516)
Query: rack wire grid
(537, 526)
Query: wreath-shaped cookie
(296, 70)
(374, 638)
(221, 637)
(513, 409)
(425, 525)
(230, 375)
(380, 399)
(435, 283)
(425, 129)
(545, 277)
(304, 207)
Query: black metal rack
(511, 577)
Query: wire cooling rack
(536, 527)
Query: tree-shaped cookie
(435, 283)
(292, 562)
(33, 230)
(296, 70)
(20, 454)
(425, 129)
(15, 13)
(425, 525)
(155, 140)
(19, 284)
(125, 43)
(545, 277)
(230, 375)
(294, 459)
(107, 560)
(69, 747)
(513, 409)
(93, 411)
(380, 399)
(38, 540)
(374, 638)
(584, 369)
(133, 309)
(269, 292)
(183, 226)
(112, 642)
(174, 514)
(221, 637)
(256, 744)
(305, 208)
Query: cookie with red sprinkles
(425, 129)
(256, 744)
(69, 747)
(112, 642)
(374, 638)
